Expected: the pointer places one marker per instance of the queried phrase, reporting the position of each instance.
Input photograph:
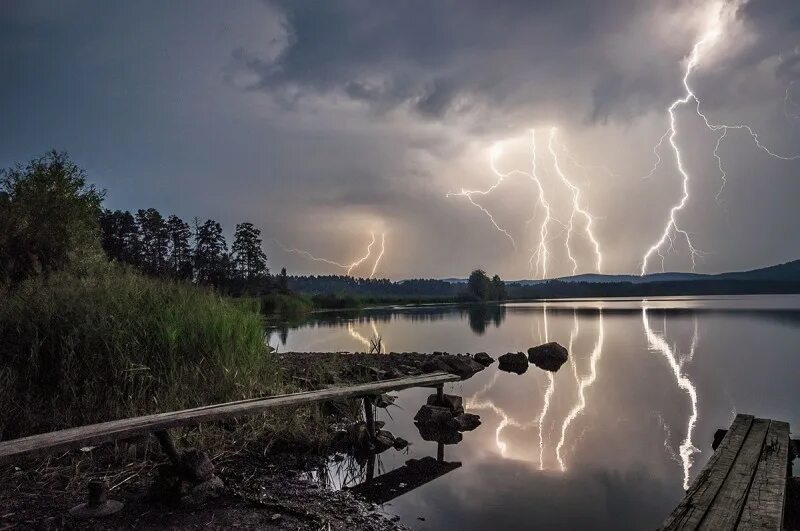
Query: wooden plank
(727, 506)
(124, 428)
(767, 496)
(693, 506)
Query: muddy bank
(269, 486)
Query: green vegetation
(48, 217)
(87, 340)
(85, 348)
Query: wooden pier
(743, 486)
(160, 422)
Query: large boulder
(513, 362)
(463, 366)
(468, 421)
(441, 435)
(550, 356)
(452, 402)
(483, 358)
(435, 416)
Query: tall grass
(78, 349)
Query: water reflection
(659, 343)
(481, 315)
(583, 385)
(612, 440)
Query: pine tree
(119, 235)
(154, 240)
(210, 253)
(180, 252)
(249, 260)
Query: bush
(285, 304)
(48, 217)
(83, 349)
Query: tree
(498, 288)
(119, 236)
(48, 216)
(210, 253)
(283, 281)
(180, 252)
(249, 260)
(154, 239)
(478, 285)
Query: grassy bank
(79, 349)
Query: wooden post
(168, 446)
(439, 394)
(440, 452)
(369, 415)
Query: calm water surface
(611, 439)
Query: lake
(609, 441)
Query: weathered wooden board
(765, 503)
(693, 506)
(727, 506)
(120, 429)
(743, 486)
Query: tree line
(171, 248)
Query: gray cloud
(321, 121)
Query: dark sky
(321, 122)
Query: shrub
(83, 349)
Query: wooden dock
(743, 486)
(158, 423)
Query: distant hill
(788, 272)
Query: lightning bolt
(363, 340)
(347, 268)
(542, 253)
(710, 36)
(474, 402)
(380, 256)
(501, 176)
(551, 385)
(658, 343)
(583, 385)
(576, 209)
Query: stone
(550, 356)
(483, 358)
(209, 489)
(513, 362)
(196, 465)
(385, 400)
(468, 421)
(452, 402)
(435, 416)
(400, 443)
(438, 434)
(383, 441)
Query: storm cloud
(323, 121)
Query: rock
(196, 465)
(383, 401)
(400, 443)
(435, 416)
(437, 434)
(437, 363)
(468, 421)
(452, 402)
(209, 489)
(463, 366)
(483, 358)
(550, 356)
(718, 436)
(513, 362)
(383, 441)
